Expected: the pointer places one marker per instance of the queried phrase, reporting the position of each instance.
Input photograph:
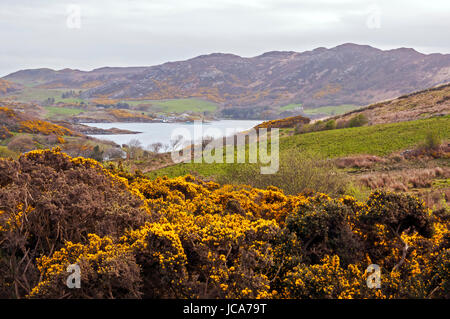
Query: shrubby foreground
(186, 238)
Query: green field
(331, 110)
(178, 105)
(290, 107)
(53, 111)
(380, 140)
(323, 110)
(29, 94)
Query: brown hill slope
(8, 86)
(346, 74)
(418, 105)
(13, 121)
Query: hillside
(397, 145)
(21, 131)
(8, 87)
(348, 74)
(418, 105)
(13, 121)
(381, 140)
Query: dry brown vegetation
(424, 183)
(359, 161)
(418, 105)
(423, 171)
(7, 86)
(404, 180)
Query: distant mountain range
(346, 74)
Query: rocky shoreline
(91, 130)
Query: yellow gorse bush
(203, 239)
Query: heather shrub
(359, 161)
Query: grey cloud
(146, 32)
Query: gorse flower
(183, 237)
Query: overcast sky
(88, 34)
